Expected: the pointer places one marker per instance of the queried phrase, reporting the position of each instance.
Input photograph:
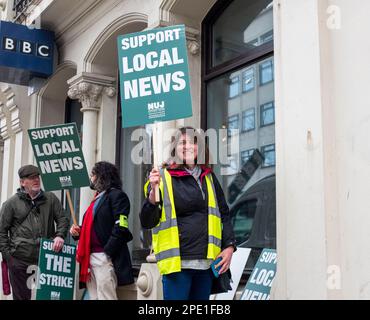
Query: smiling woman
(190, 225)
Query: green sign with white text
(56, 277)
(259, 283)
(59, 156)
(154, 76)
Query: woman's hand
(226, 256)
(154, 179)
(75, 230)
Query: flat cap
(28, 171)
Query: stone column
(88, 88)
(11, 133)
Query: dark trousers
(18, 279)
(189, 284)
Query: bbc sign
(24, 53)
(26, 47)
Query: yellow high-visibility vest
(165, 236)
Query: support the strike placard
(59, 156)
(56, 273)
(259, 283)
(154, 76)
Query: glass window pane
(266, 71)
(267, 114)
(233, 123)
(242, 27)
(241, 113)
(268, 36)
(246, 155)
(248, 120)
(269, 154)
(248, 79)
(234, 87)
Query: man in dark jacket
(25, 218)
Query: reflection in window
(248, 120)
(239, 29)
(253, 43)
(248, 80)
(267, 114)
(266, 37)
(239, 43)
(234, 87)
(266, 71)
(233, 123)
(268, 153)
(245, 155)
(242, 218)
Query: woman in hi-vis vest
(190, 225)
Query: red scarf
(84, 244)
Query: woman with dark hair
(102, 250)
(190, 225)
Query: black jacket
(112, 237)
(192, 216)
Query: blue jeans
(189, 284)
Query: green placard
(154, 76)
(259, 283)
(56, 277)
(59, 156)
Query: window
(237, 41)
(268, 153)
(245, 155)
(268, 36)
(234, 87)
(248, 80)
(238, 29)
(233, 123)
(267, 114)
(248, 120)
(266, 72)
(237, 52)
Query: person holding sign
(102, 249)
(191, 223)
(25, 218)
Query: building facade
(289, 75)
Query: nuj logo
(65, 181)
(155, 105)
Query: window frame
(244, 151)
(271, 61)
(237, 84)
(254, 120)
(243, 79)
(263, 150)
(236, 115)
(273, 112)
(245, 60)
